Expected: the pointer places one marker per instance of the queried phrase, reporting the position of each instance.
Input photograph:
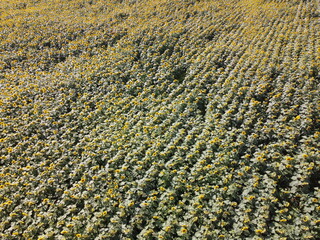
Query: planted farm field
(159, 119)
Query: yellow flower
(286, 204)
(306, 219)
(167, 228)
(288, 158)
(183, 230)
(259, 231)
(201, 196)
(251, 197)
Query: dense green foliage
(159, 119)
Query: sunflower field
(140, 119)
